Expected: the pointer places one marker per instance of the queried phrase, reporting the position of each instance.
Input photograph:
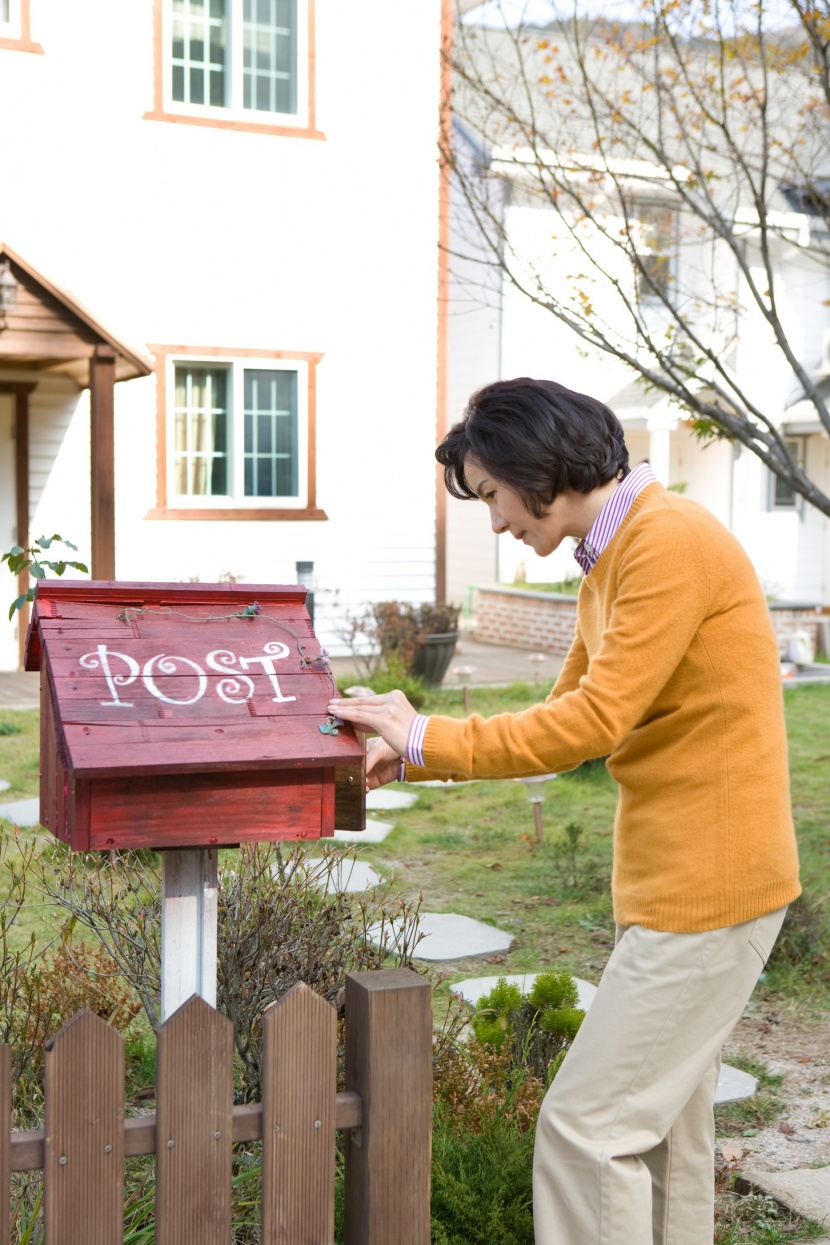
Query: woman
(673, 675)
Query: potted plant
(421, 637)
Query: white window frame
(237, 365)
(797, 446)
(13, 28)
(645, 294)
(234, 110)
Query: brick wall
(789, 618)
(539, 620)
(546, 620)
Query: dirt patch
(799, 1052)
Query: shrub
(537, 1027)
(387, 634)
(281, 920)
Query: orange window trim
(158, 113)
(311, 512)
(25, 42)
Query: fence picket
(84, 1134)
(194, 1126)
(298, 1116)
(389, 1063)
(5, 1140)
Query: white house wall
(193, 236)
(789, 548)
(473, 359)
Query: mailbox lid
(185, 678)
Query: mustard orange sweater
(674, 675)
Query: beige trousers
(625, 1138)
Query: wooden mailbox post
(187, 716)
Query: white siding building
(246, 191)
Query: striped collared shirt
(587, 552)
(607, 522)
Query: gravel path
(800, 1052)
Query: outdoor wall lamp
(8, 291)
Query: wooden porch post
(21, 391)
(102, 461)
(21, 473)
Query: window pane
(784, 494)
(201, 425)
(199, 51)
(272, 466)
(270, 55)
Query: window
(655, 234)
(236, 434)
(15, 26)
(237, 62)
(783, 496)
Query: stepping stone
(352, 876)
(375, 832)
(22, 812)
(449, 936)
(806, 1190)
(382, 800)
(4, 786)
(474, 988)
(733, 1085)
(439, 782)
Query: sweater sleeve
(661, 598)
(574, 667)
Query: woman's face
(508, 513)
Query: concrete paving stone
(806, 1190)
(474, 988)
(383, 800)
(21, 812)
(375, 832)
(448, 936)
(733, 1085)
(439, 782)
(352, 876)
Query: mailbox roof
(155, 678)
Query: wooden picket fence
(386, 1112)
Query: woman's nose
(497, 522)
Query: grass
(472, 849)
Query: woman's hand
(382, 764)
(389, 715)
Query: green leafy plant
(29, 559)
(538, 1027)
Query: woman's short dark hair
(536, 437)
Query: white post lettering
(101, 659)
(274, 649)
(229, 689)
(167, 665)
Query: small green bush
(482, 1192)
(537, 1027)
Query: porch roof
(49, 330)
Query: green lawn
(472, 848)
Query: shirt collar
(607, 522)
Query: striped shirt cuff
(415, 741)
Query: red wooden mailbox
(187, 715)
